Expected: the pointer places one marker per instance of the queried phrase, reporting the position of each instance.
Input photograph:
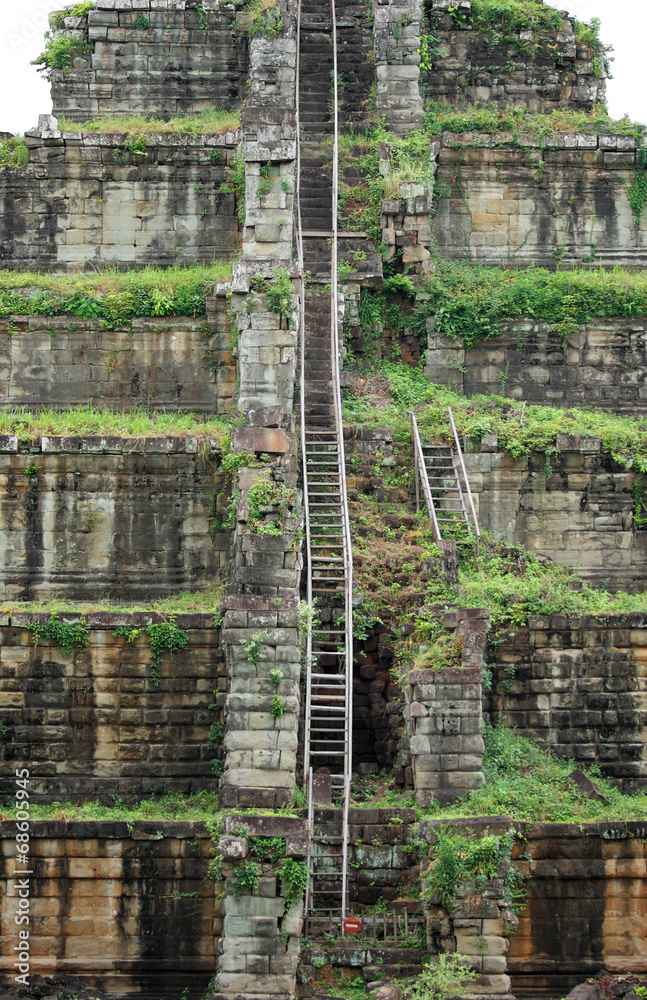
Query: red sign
(352, 925)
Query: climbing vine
(294, 881)
(640, 507)
(69, 636)
(162, 636)
(638, 189)
(268, 506)
(247, 876)
(270, 852)
(459, 858)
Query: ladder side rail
(415, 463)
(311, 815)
(348, 549)
(459, 490)
(302, 400)
(421, 469)
(464, 470)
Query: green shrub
(507, 17)
(447, 977)
(13, 153)
(59, 52)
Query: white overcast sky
(25, 95)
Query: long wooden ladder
(329, 647)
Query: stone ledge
(98, 620)
(102, 444)
(108, 829)
(526, 140)
(114, 140)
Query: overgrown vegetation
(638, 191)
(520, 428)
(13, 153)
(57, 17)
(449, 976)
(360, 201)
(114, 297)
(509, 22)
(489, 120)
(260, 19)
(69, 636)
(459, 858)
(203, 601)
(272, 860)
(471, 302)
(268, 507)
(162, 636)
(85, 420)
(61, 48)
(213, 121)
(200, 808)
(532, 785)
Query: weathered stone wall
(84, 200)
(94, 725)
(577, 509)
(126, 906)
(468, 68)
(267, 341)
(262, 608)
(479, 923)
(586, 907)
(161, 362)
(259, 949)
(380, 863)
(185, 61)
(108, 518)
(578, 685)
(444, 710)
(566, 202)
(397, 62)
(603, 364)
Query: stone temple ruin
(240, 660)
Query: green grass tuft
(213, 121)
(30, 426)
(530, 784)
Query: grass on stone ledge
(394, 388)
(139, 423)
(440, 117)
(513, 584)
(114, 297)
(186, 602)
(470, 302)
(171, 807)
(530, 784)
(210, 122)
(200, 808)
